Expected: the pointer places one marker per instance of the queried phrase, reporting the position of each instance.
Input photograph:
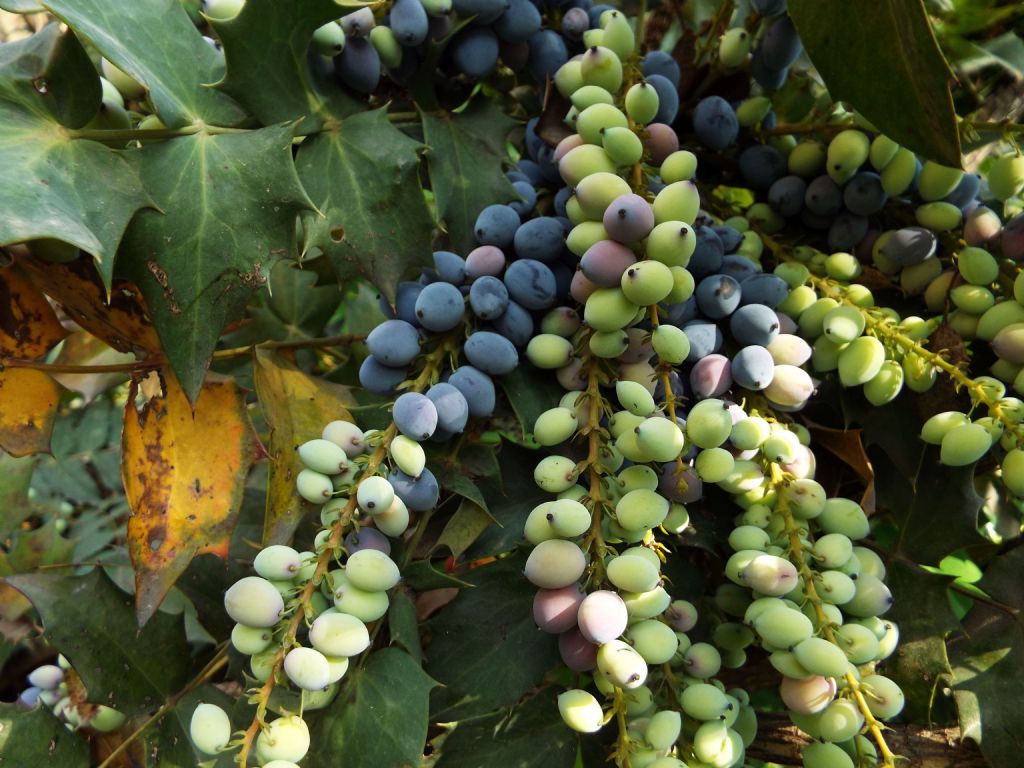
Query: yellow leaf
(123, 322)
(28, 325)
(296, 407)
(28, 407)
(184, 474)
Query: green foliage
(93, 622)
(369, 723)
(369, 229)
(59, 186)
(39, 738)
(907, 94)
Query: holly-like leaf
(15, 480)
(485, 649)
(21, 6)
(380, 717)
(530, 393)
(887, 64)
(122, 321)
(227, 213)
(363, 177)
(56, 185)
(36, 737)
(529, 735)
(184, 474)
(464, 527)
(987, 673)
(921, 610)
(92, 623)
(158, 45)
(265, 50)
(465, 164)
(296, 406)
(936, 510)
(292, 307)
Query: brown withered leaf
(847, 446)
(28, 325)
(123, 322)
(28, 398)
(296, 407)
(184, 474)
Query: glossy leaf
(474, 637)
(158, 45)
(92, 623)
(296, 407)
(184, 474)
(363, 178)
(922, 612)
(528, 735)
(987, 673)
(380, 717)
(907, 95)
(36, 737)
(266, 48)
(55, 185)
(403, 626)
(466, 166)
(464, 527)
(227, 214)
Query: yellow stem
(796, 556)
(431, 367)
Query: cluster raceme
(806, 588)
(48, 686)
(305, 615)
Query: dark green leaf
(455, 480)
(987, 673)
(227, 213)
(36, 738)
(15, 479)
(56, 186)
(421, 575)
(530, 735)
(168, 745)
(403, 625)
(508, 502)
(92, 622)
(902, 83)
(464, 527)
(265, 49)
(364, 180)
(379, 719)
(485, 648)
(922, 612)
(465, 166)
(937, 511)
(158, 45)
(41, 546)
(530, 393)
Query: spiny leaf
(296, 407)
(363, 178)
(465, 166)
(528, 735)
(57, 186)
(92, 623)
(266, 48)
(474, 637)
(987, 673)
(227, 213)
(184, 474)
(156, 43)
(905, 93)
(36, 737)
(379, 719)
